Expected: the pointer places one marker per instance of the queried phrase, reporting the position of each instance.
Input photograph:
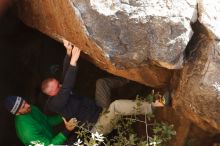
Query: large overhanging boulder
(132, 32)
(136, 39)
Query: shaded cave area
(28, 57)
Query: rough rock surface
(131, 32)
(209, 12)
(197, 92)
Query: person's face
(24, 109)
(53, 87)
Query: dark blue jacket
(71, 105)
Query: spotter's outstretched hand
(71, 124)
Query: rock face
(197, 85)
(209, 12)
(133, 32)
(144, 40)
(197, 93)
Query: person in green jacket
(34, 127)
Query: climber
(66, 102)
